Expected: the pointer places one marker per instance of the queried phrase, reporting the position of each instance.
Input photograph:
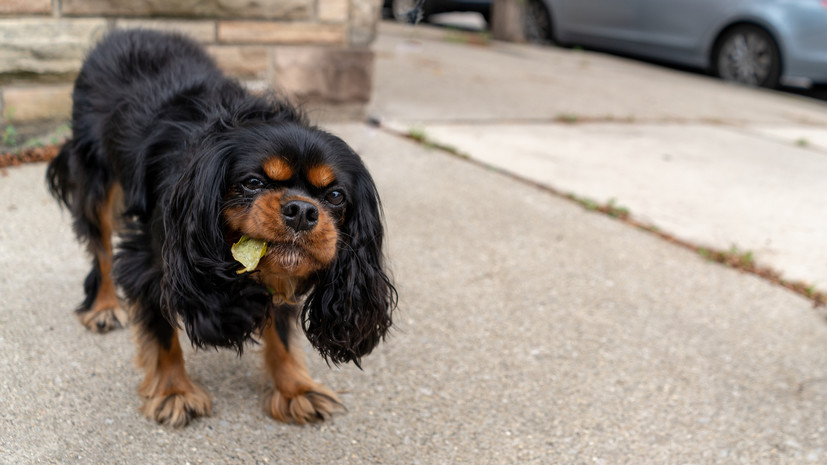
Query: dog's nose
(300, 215)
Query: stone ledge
(317, 112)
(245, 61)
(333, 11)
(269, 32)
(261, 9)
(35, 104)
(25, 7)
(201, 30)
(335, 79)
(323, 74)
(47, 45)
(326, 113)
(25, 104)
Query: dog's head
(310, 198)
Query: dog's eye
(253, 184)
(335, 198)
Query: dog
(180, 162)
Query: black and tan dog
(181, 162)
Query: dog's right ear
(217, 306)
(349, 310)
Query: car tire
(537, 25)
(747, 55)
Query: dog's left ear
(348, 312)
(200, 285)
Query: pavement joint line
(575, 119)
(752, 132)
(734, 259)
(567, 119)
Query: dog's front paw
(103, 319)
(303, 405)
(177, 407)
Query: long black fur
(153, 114)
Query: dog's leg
(170, 396)
(295, 397)
(101, 311)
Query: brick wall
(315, 50)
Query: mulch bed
(28, 155)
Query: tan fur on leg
(295, 397)
(171, 397)
(106, 312)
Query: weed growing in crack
(615, 210)
(419, 136)
(567, 118)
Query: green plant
(450, 148)
(8, 114)
(615, 210)
(420, 136)
(9, 135)
(9, 132)
(747, 259)
(32, 142)
(417, 134)
(736, 257)
(60, 134)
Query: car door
(597, 23)
(679, 30)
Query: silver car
(754, 42)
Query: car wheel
(402, 10)
(748, 55)
(537, 26)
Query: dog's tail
(59, 177)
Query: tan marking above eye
(321, 175)
(277, 169)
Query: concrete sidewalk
(718, 165)
(529, 330)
